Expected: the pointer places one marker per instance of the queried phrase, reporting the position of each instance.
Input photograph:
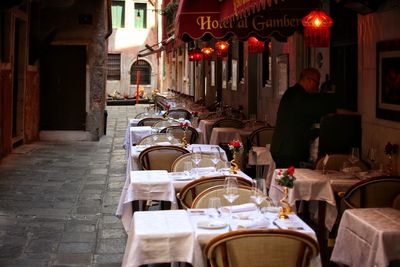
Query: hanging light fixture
(317, 28)
(255, 46)
(222, 48)
(207, 52)
(195, 54)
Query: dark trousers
(285, 161)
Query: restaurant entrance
(63, 88)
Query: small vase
(286, 207)
(234, 167)
(184, 142)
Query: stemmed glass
(169, 134)
(215, 156)
(196, 157)
(372, 157)
(154, 136)
(231, 192)
(354, 158)
(258, 192)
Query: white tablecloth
(205, 127)
(262, 156)
(227, 134)
(368, 237)
(313, 185)
(173, 236)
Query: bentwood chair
(153, 139)
(165, 123)
(179, 163)
(160, 157)
(261, 248)
(179, 113)
(189, 192)
(382, 191)
(228, 123)
(148, 121)
(261, 136)
(192, 134)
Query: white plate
(212, 224)
(180, 176)
(272, 209)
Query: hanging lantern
(222, 48)
(317, 28)
(195, 55)
(255, 46)
(207, 52)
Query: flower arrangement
(167, 106)
(286, 178)
(235, 146)
(184, 125)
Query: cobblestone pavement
(58, 199)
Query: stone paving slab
(58, 199)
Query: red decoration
(195, 55)
(207, 52)
(255, 46)
(317, 28)
(222, 48)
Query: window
(114, 67)
(118, 13)
(266, 64)
(140, 15)
(145, 72)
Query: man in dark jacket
(298, 110)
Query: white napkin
(239, 208)
(204, 169)
(163, 143)
(260, 222)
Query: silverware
(274, 223)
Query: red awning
(263, 19)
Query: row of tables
(155, 236)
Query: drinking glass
(231, 192)
(372, 157)
(215, 156)
(196, 157)
(154, 131)
(354, 155)
(169, 134)
(214, 203)
(258, 192)
(187, 168)
(225, 167)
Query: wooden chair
(335, 162)
(178, 165)
(160, 137)
(261, 248)
(189, 192)
(165, 123)
(228, 123)
(160, 157)
(254, 124)
(191, 134)
(261, 136)
(383, 191)
(179, 113)
(148, 121)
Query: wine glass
(196, 157)
(154, 132)
(187, 167)
(169, 134)
(231, 192)
(258, 192)
(215, 156)
(354, 158)
(214, 203)
(372, 157)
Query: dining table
(368, 237)
(159, 185)
(181, 235)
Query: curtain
(117, 14)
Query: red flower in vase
(235, 146)
(285, 177)
(184, 125)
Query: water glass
(214, 203)
(225, 167)
(215, 156)
(187, 168)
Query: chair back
(335, 162)
(179, 163)
(376, 192)
(160, 157)
(165, 123)
(160, 137)
(228, 123)
(261, 136)
(192, 134)
(254, 124)
(212, 115)
(261, 248)
(201, 201)
(148, 121)
(189, 192)
(179, 113)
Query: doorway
(63, 88)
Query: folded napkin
(239, 208)
(204, 169)
(260, 222)
(163, 143)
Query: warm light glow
(195, 55)
(317, 28)
(255, 46)
(207, 52)
(222, 48)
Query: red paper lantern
(207, 52)
(195, 55)
(317, 28)
(222, 48)
(255, 46)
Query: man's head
(309, 79)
